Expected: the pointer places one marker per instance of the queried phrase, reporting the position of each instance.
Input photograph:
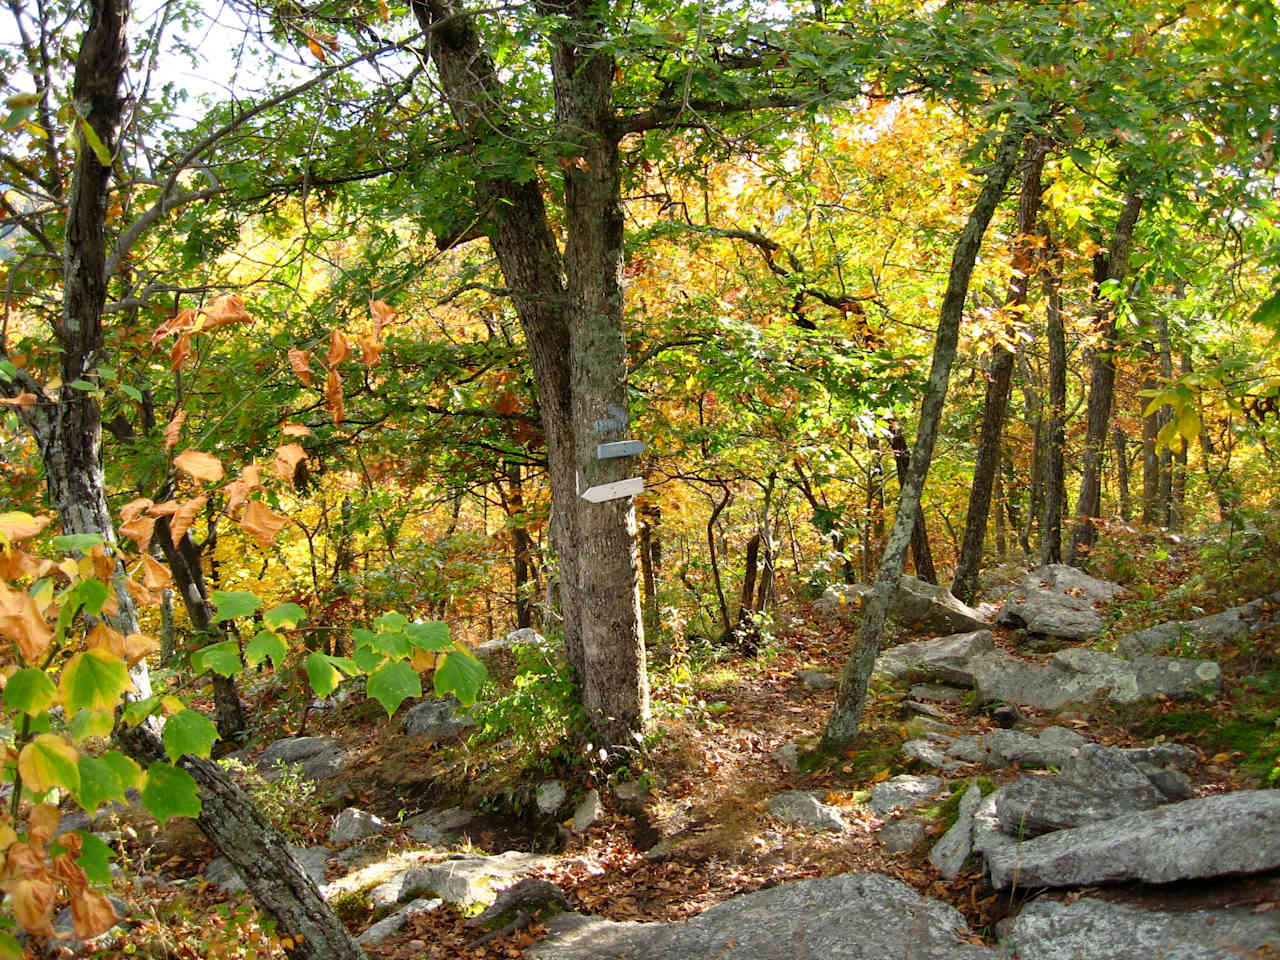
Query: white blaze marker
(614, 491)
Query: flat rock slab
(1033, 806)
(916, 605)
(464, 880)
(805, 810)
(319, 757)
(1228, 834)
(1236, 623)
(905, 791)
(1049, 930)
(944, 660)
(1078, 674)
(864, 916)
(951, 851)
(1057, 600)
(394, 923)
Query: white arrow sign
(614, 491)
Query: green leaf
(1268, 314)
(126, 769)
(10, 948)
(232, 604)
(265, 644)
(132, 392)
(367, 659)
(99, 783)
(170, 792)
(73, 542)
(83, 385)
(222, 658)
(95, 143)
(92, 723)
(391, 644)
(89, 594)
(391, 621)
(13, 121)
(462, 675)
(31, 691)
(135, 711)
(287, 615)
(95, 858)
(324, 678)
(49, 761)
(188, 732)
(429, 636)
(392, 684)
(93, 680)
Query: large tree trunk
(965, 583)
(1114, 265)
(259, 853)
(851, 697)
(571, 312)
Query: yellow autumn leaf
(15, 526)
(104, 637)
(48, 761)
(201, 466)
(881, 776)
(138, 646)
(382, 313)
(21, 622)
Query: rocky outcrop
(904, 792)
(944, 660)
(1233, 833)
(848, 917)
(1049, 930)
(1079, 674)
(1236, 623)
(464, 880)
(436, 719)
(1058, 601)
(805, 810)
(353, 824)
(319, 757)
(917, 605)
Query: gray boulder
(951, 851)
(525, 637)
(1078, 674)
(550, 796)
(588, 811)
(906, 791)
(933, 753)
(1103, 770)
(395, 922)
(1233, 833)
(938, 693)
(944, 660)
(319, 757)
(353, 824)
(815, 680)
(1236, 623)
(901, 836)
(917, 605)
(987, 833)
(464, 880)
(436, 719)
(1058, 601)
(1050, 930)
(848, 917)
(805, 810)
(1032, 806)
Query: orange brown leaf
(262, 523)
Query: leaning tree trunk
(571, 310)
(259, 853)
(1114, 265)
(842, 727)
(965, 582)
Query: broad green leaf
(462, 675)
(429, 636)
(265, 644)
(95, 143)
(392, 684)
(135, 711)
(170, 792)
(92, 723)
(1268, 314)
(99, 783)
(233, 604)
(188, 732)
(391, 644)
(93, 680)
(126, 769)
(287, 615)
(49, 761)
(222, 658)
(391, 621)
(10, 948)
(87, 594)
(77, 542)
(367, 659)
(95, 858)
(324, 678)
(132, 392)
(31, 691)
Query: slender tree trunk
(920, 551)
(842, 727)
(1114, 265)
(521, 548)
(997, 496)
(965, 583)
(651, 564)
(571, 310)
(1054, 455)
(259, 853)
(1039, 448)
(1150, 456)
(1120, 440)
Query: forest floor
(711, 772)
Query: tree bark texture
(842, 727)
(570, 307)
(920, 550)
(965, 582)
(1120, 440)
(1054, 466)
(260, 854)
(1114, 265)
